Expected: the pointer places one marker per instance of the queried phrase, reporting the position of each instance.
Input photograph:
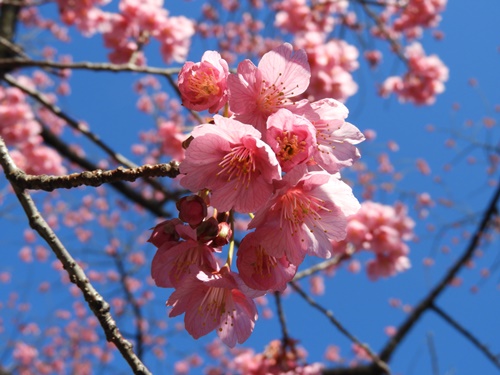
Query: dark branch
(428, 301)
(469, 336)
(99, 306)
(152, 206)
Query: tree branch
(92, 178)
(84, 65)
(151, 205)
(95, 301)
(428, 301)
(376, 360)
(492, 357)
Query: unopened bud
(224, 235)
(192, 210)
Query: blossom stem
(230, 252)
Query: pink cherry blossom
(383, 230)
(258, 269)
(386, 265)
(204, 85)
(258, 92)
(231, 160)
(215, 301)
(423, 81)
(304, 215)
(298, 16)
(331, 63)
(174, 260)
(291, 137)
(335, 137)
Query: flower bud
(223, 236)
(165, 232)
(192, 210)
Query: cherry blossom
(215, 302)
(258, 269)
(231, 160)
(423, 81)
(306, 212)
(204, 85)
(256, 92)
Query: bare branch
(285, 338)
(84, 65)
(433, 354)
(396, 47)
(336, 260)
(383, 366)
(99, 306)
(469, 336)
(428, 301)
(151, 205)
(92, 178)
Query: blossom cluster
(423, 81)
(275, 360)
(21, 132)
(273, 158)
(383, 230)
(127, 31)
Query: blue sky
(470, 50)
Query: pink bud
(224, 235)
(192, 210)
(164, 232)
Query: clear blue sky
(470, 50)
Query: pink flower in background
(258, 92)
(386, 265)
(231, 160)
(383, 230)
(291, 137)
(216, 301)
(331, 64)
(38, 159)
(25, 354)
(171, 137)
(423, 81)
(305, 214)
(258, 269)
(204, 85)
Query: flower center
(290, 146)
(297, 209)
(239, 163)
(273, 96)
(203, 85)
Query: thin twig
(433, 354)
(139, 331)
(469, 336)
(285, 338)
(84, 65)
(336, 260)
(99, 306)
(329, 314)
(396, 47)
